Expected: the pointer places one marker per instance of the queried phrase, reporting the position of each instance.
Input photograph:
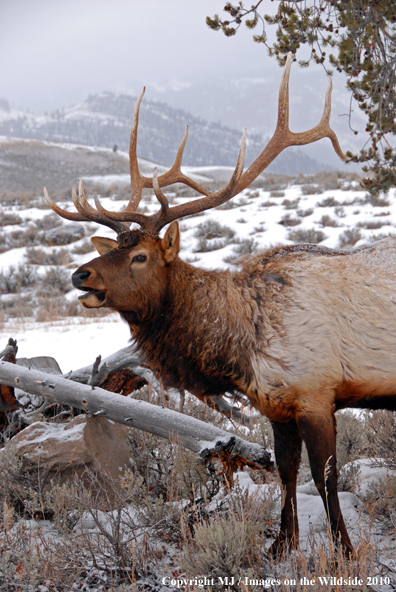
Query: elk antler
(152, 224)
(87, 212)
(283, 137)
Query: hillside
(104, 120)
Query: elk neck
(206, 327)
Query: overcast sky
(54, 52)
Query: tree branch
(211, 443)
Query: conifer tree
(356, 37)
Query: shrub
(327, 221)
(212, 236)
(309, 235)
(340, 212)
(350, 237)
(55, 279)
(231, 203)
(228, 205)
(376, 237)
(291, 205)
(10, 219)
(287, 220)
(381, 433)
(48, 222)
(27, 237)
(211, 229)
(305, 213)
(83, 248)
(242, 247)
(16, 279)
(277, 193)
(258, 229)
(351, 438)
(64, 235)
(370, 225)
(311, 189)
(18, 306)
(380, 500)
(328, 202)
(231, 539)
(37, 256)
(267, 204)
(377, 202)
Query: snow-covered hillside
(105, 120)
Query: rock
(69, 449)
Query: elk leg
(319, 435)
(288, 454)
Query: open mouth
(92, 298)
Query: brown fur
(301, 330)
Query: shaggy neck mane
(204, 322)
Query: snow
(12, 258)
(73, 342)
(41, 432)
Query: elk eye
(139, 258)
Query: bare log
(211, 443)
(127, 357)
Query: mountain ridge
(104, 120)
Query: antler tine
(283, 137)
(211, 200)
(90, 213)
(129, 216)
(283, 100)
(136, 178)
(325, 122)
(74, 216)
(159, 195)
(175, 175)
(138, 181)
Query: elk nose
(79, 277)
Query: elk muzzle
(93, 298)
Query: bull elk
(302, 330)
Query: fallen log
(211, 443)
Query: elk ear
(171, 242)
(103, 245)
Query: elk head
(131, 273)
